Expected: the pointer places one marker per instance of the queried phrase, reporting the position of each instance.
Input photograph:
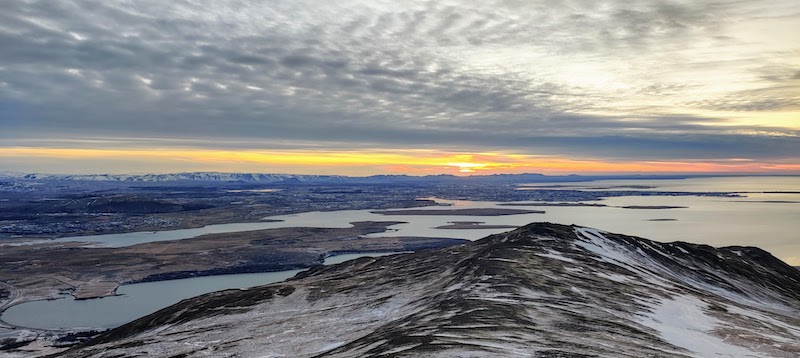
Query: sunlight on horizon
(354, 163)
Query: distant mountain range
(544, 290)
(323, 179)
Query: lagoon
(140, 299)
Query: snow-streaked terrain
(544, 290)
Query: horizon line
(473, 175)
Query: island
(461, 212)
(554, 204)
(467, 225)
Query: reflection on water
(752, 220)
(710, 184)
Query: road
(13, 294)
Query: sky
(400, 87)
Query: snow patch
(401, 348)
(331, 346)
(654, 249)
(600, 246)
(556, 255)
(455, 286)
(683, 322)
(613, 276)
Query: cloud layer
(667, 80)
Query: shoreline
(473, 225)
(457, 212)
(256, 251)
(252, 269)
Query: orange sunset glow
(414, 162)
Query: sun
(466, 167)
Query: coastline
(110, 287)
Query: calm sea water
(137, 300)
(770, 221)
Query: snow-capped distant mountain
(320, 179)
(544, 290)
(197, 176)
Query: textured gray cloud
(583, 78)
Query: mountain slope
(543, 290)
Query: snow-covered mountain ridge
(317, 179)
(544, 290)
